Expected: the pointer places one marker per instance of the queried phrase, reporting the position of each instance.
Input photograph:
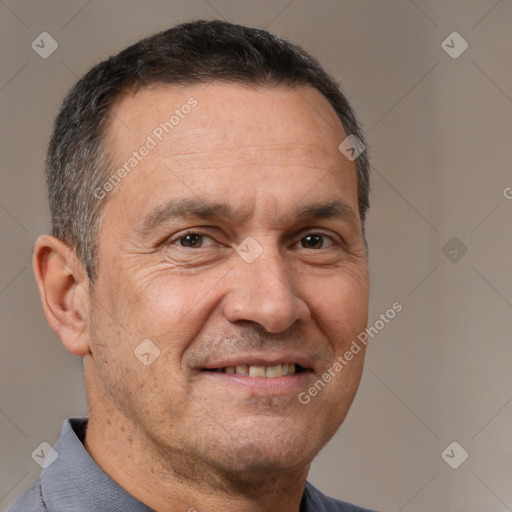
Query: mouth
(261, 374)
(261, 371)
(276, 373)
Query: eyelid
(334, 237)
(176, 238)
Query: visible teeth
(242, 369)
(274, 371)
(256, 371)
(270, 372)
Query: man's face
(234, 242)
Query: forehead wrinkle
(251, 147)
(284, 154)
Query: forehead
(218, 139)
(224, 111)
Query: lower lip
(276, 386)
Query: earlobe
(63, 285)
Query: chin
(270, 451)
(266, 465)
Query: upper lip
(260, 359)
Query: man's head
(79, 163)
(233, 243)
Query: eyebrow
(182, 208)
(201, 209)
(335, 209)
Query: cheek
(346, 317)
(169, 309)
(173, 304)
(342, 309)
(152, 304)
(111, 349)
(143, 392)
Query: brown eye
(192, 240)
(313, 241)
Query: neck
(169, 480)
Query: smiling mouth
(269, 372)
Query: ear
(64, 288)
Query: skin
(173, 435)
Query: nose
(264, 292)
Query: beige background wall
(440, 135)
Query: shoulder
(30, 501)
(316, 501)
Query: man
(208, 262)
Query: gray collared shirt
(74, 482)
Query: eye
(315, 241)
(194, 240)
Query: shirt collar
(73, 481)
